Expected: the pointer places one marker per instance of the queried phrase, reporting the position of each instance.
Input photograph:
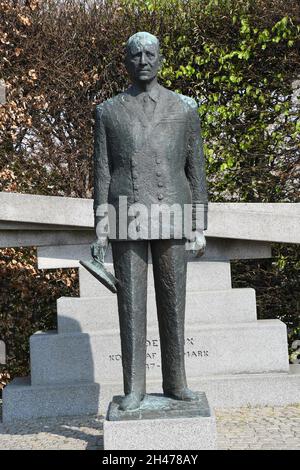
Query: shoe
(184, 394)
(131, 401)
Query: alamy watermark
(139, 221)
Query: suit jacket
(154, 161)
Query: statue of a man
(148, 153)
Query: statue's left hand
(197, 243)
(98, 249)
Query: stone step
(86, 314)
(251, 347)
(21, 401)
(202, 275)
(231, 390)
(66, 256)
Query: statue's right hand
(98, 249)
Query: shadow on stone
(62, 378)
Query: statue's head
(143, 58)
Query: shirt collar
(153, 93)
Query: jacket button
(136, 186)
(160, 184)
(133, 163)
(158, 161)
(160, 197)
(135, 176)
(158, 173)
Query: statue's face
(143, 60)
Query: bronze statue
(148, 153)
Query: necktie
(148, 106)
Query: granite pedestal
(234, 358)
(161, 423)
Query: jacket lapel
(134, 108)
(165, 105)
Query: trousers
(169, 259)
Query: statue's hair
(142, 36)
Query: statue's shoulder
(106, 106)
(188, 102)
(99, 109)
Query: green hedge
(28, 303)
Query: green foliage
(237, 58)
(242, 78)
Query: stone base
(161, 423)
(233, 390)
(23, 401)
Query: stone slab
(65, 256)
(272, 222)
(278, 222)
(68, 255)
(2, 353)
(219, 249)
(7, 225)
(253, 347)
(161, 423)
(85, 314)
(22, 401)
(232, 390)
(32, 208)
(15, 238)
(206, 275)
